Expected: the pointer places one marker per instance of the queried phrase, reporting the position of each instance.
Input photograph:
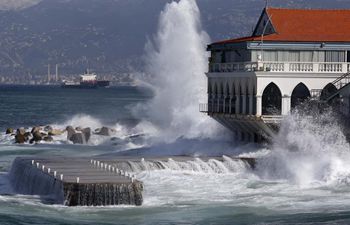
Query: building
(293, 55)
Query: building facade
(292, 56)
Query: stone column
(238, 102)
(230, 105)
(258, 105)
(224, 104)
(244, 104)
(286, 105)
(218, 105)
(251, 104)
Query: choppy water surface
(303, 179)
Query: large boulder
(36, 129)
(87, 134)
(81, 137)
(28, 135)
(48, 128)
(48, 138)
(20, 137)
(78, 128)
(77, 138)
(9, 130)
(37, 136)
(105, 131)
(70, 131)
(55, 132)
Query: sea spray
(176, 61)
(309, 149)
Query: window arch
(299, 95)
(272, 100)
(328, 91)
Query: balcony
(278, 67)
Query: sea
(303, 178)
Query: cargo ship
(87, 80)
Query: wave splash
(309, 149)
(176, 64)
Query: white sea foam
(310, 148)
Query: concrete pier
(91, 181)
(75, 182)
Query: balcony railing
(288, 67)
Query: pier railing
(203, 108)
(288, 67)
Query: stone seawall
(75, 182)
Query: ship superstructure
(87, 80)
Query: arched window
(272, 100)
(328, 91)
(299, 95)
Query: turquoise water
(235, 195)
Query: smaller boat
(87, 81)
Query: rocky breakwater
(47, 134)
(75, 182)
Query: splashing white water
(176, 61)
(309, 149)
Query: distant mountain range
(109, 35)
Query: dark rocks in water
(78, 129)
(70, 131)
(37, 136)
(9, 130)
(105, 131)
(20, 137)
(48, 128)
(77, 138)
(48, 139)
(28, 135)
(55, 132)
(36, 129)
(87, 134)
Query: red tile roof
(305, 25)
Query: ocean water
(303, 179)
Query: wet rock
(81, 137)
(78, 128)
(77, 138)
(70, 131)
(28, 135)
(55, 132)
(20, 136)
(48, 128)
(87, 134)
(36, 129)
(37, 136)
(105, 131)
(9, 130)
(48, 138)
